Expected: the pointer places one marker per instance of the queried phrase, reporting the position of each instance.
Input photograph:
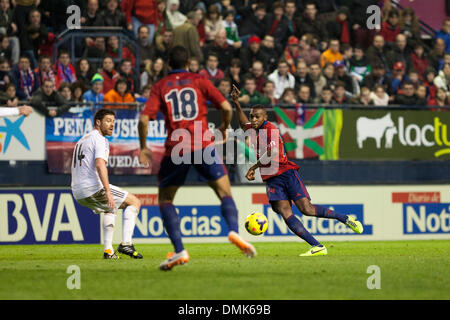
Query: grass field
(409, 270)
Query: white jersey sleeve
(85, 178)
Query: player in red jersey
(181, 96)
(283, 182)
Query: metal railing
(70, 35)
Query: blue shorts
(171, 174)
(286, 186)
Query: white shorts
(99, 203)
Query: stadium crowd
(286, 52)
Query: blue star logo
(12, 129)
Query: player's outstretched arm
(145, 154)
(235, 93)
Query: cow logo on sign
(376, 129)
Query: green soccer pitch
(408, 270)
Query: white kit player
(91, 188)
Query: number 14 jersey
(182, 98)
(85, 179)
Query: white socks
(108, 230)
(129, 221)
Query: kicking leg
(305, 207)
(229, 212)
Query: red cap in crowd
(254, 39)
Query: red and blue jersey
(268, 137)
(182, 98)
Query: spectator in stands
(142, 13)
(304, 94)
(126, 72)
(201, 25)
(378, 76)
(231, 29)
(269, 53)
(441, 99)
(428, 77)
(96, 50)
(84, 72)
(414, 77)
(400, 52)
(65, 91)
(5, 77)
(302, 77)
(309, 23)
(340, 28)
(32, 36)
(213, 23)
(363, 98)
(290, 11)
(409, 24)
(390, 28)
(113, 50)
(277, 25)
(347, 54)
(25, 79)
(22, 11)
(144, 45)
(257, 73)
(329, 74)
(234, 73)
(339, 93)
(145, 94)
(347, 80)
(163, 44)
(220, 46)
(119, 94)
(111, 16)
(162, 19)
(377, 52)
(95, 95)
(358, 20)
(90, 17)
(251, 53)
(282, 78)
(254, 23)
(186, 35)
(194, 65)
(9, 29)
(154, 71)
(292, 53)
(212, 71)
(49, 102)
(379, 95)
(419, 59)
(332, 54)
(398, 75)
(436, 56)
(407, 96)
(45, 70)
(288, 97)
(326, 96)
(317, 78)
(421, 93)
(442, 80)
(109, 74)
(249, 94)
(224, 87)
(359, 64)
(269, 92)
(9, 97)
(175, 17)
(444, 34)
(64, 70)
(308, 51)
(78, 88)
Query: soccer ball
(256, 223)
